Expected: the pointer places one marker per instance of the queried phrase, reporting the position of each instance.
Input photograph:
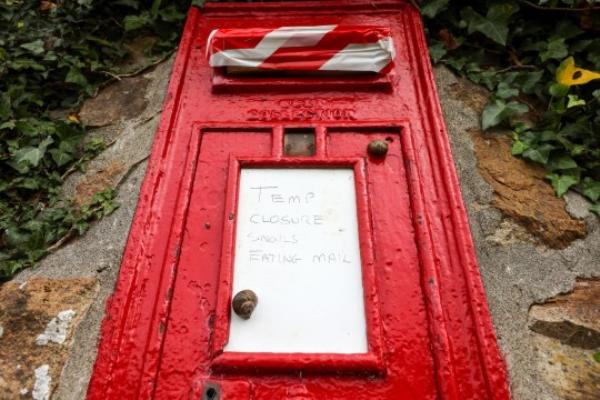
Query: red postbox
(300, 233)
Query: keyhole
(211, 393)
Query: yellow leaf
(569, 75)
(73, 118)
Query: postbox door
(340, 311)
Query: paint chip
(57, 328)
(41, 386)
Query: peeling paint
(41, 387)
(57, 328)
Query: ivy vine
(53, 54)
(538, 59)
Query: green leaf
(154, 8)
(60, 157)
(555, 49)
(558, 90)
(32, 155)
(135, 4)
(494, 25)
(518, 148)
(595, 208)
(498, 111)
(5, 107)
(25, 63)
(575, 101)
(437, 51)
(432, 8)
(133, 22)
(528, 80)
(539, 154)
(504, 91)
(562, 183)
(591, 188)
(561, 161)
(500, 12)
(75, 76)
(477, 23)
(567, 29)
(36, 47)
(170, 14)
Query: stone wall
(538, 255)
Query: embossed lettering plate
(297, 249)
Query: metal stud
(378, 148)
(244, 303)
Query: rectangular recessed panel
(297, 248)
(299, 142)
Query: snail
(378, 148)
(244, 303)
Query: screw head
(378, 148)
(244, 303)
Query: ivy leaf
(437, 51)
(567, 29)
(527, 80)
(154, 8)
(129, 3)
(36, 47)
(574, 101)
(591, 188)
(60, 157)
(558, 90)
(518, 148)
(498, 111)
(433, 7)
(133, 22)
(495, 26)
(504, 91)
(32, 155)
(562, 183)
(555, 49)
(561, 161)
(75, 76)
(539, 154)
(5, 107)
(170, 14)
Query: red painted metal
(430, 333)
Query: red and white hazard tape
(303, 48)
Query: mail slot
(300, 232)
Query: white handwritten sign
(297, 248)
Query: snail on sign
(244, 303)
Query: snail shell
(244, 303)
(377, 148)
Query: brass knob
(377, 148)
(244, 303)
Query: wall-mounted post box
(300, 232)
